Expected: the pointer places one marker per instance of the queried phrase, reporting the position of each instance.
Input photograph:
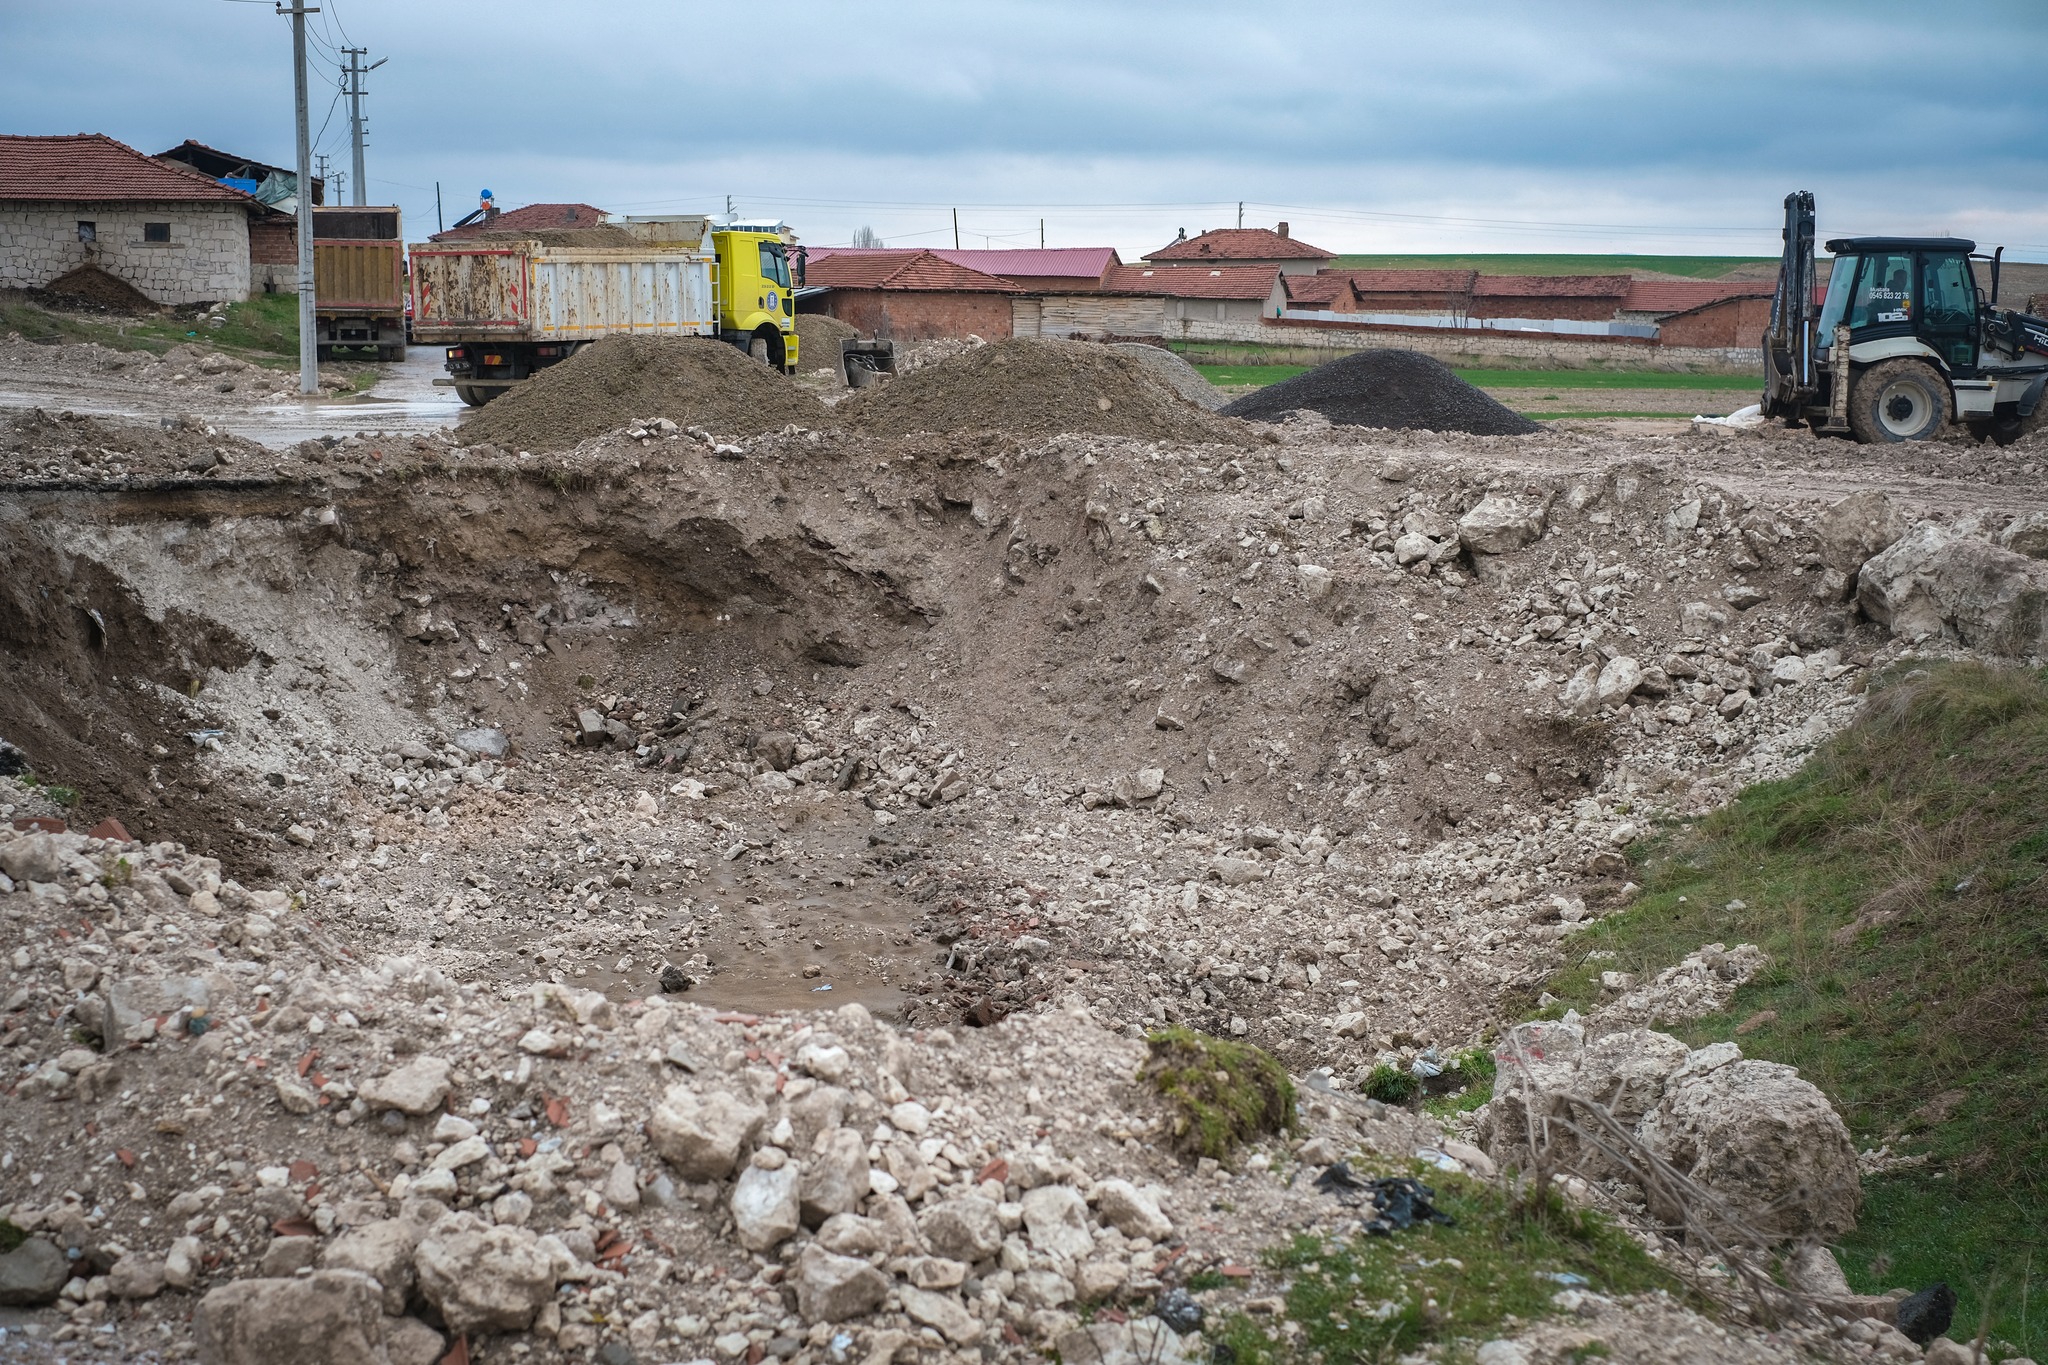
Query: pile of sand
(692, 380)
(817, 345)
(1403, 390)
(1033, 386)
(1184, 378)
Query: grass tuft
(1899, 883)
(1223, 1094)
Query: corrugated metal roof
(1076, 262)
(528, 218)
(1552, 286)
(1192, 282)
(1678, 296)
(1241, 244)
(892, 269)
(93, 166)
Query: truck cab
(756, 292)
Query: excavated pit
(954, 727)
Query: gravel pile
(38, 444)
(1401, 390)
(691, 380)
(1186, 380)
(603, 235)
(1034, 386)
(817, 345)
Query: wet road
(404, 400)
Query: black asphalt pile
(1034, 386)
(691, 380)
(1401, 390)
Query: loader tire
(1899, 400)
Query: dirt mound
(1185, 379)
(1402, 390)
(817, 344)
(94, 287)
(1034, 386)
(37, 444)
(604, 235)
(692, 380)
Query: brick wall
(207, 258)
(1471, 347)
(273, 256)
(1732, 322)
(920, 315)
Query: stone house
(176, 235)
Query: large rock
(418, 1087)
(483, 1278)
(1142, 1341)
(2026, 534)
(1618, 681)
(1764, 1140)
(1131, 1211)
(1859, 526)
(1936, 583)
(136, 1277)
(32, 1274)
(943, 1312)
(1056, 1217)
(1533, 1061)
(1501, 523)
(833, 1288)
(32, 858)
(383, 1250)
(702, 1136)
(836, 1177)
(765, 1207)
(331, 1317)
(968, 1229)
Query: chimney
(1283, 229)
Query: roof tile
(908, 269)
(1552, 286)
(1241, 244)
(1678, 296)
(93, 166)
(1191, 282)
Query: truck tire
(767, 348)
(473, 395)
(1899, 400)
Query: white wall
(206, 259)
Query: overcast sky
(1643, 125)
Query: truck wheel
(766, 347)
(1899, 400)
(473, 395)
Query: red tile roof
(94, 167)
(886, 269)
(1192, 282)
(530, 218)
(1076, 262)
(1241, 244)
(1679, 296)
(1312, 290)
(1553, 286)
(1409, 281)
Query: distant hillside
(1686, 267)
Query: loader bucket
(866, 362)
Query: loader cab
(756, 293)
(1904, 296)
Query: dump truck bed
(528, 291)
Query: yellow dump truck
(508, 308)
(359, 282)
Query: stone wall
(207, 258)
(1533, 350)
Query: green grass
(1609, 379)
(1223, 1094)
(264, 329)
(1377, 1298)
(1249, 376)
(1899, 884)
(1558, 263)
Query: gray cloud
(1680, 125)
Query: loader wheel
(1899, 400)
(473, 395)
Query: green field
(1695, 267)
(1899, 884)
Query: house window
(88, 231)
(156, 232)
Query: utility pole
(1240, 213)
(439, 226)
(354, 73)
(1041, 234)
(956, 229)
(728, 206)
(330, 179)
(309, 353)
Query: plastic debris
(1178, 1310)
(1397, 1201)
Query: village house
(1245, 246)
